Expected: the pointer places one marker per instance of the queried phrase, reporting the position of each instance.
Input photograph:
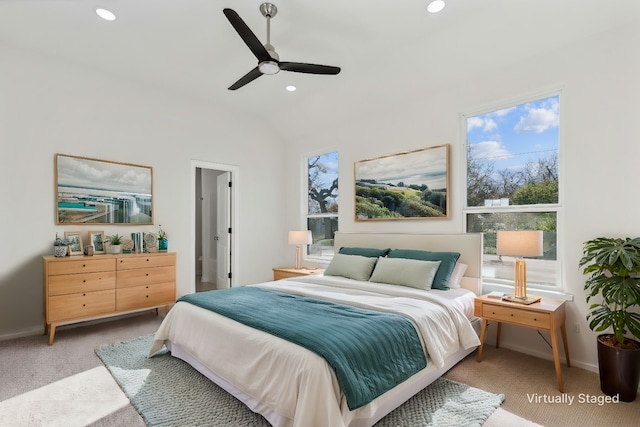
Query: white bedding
(292, 386)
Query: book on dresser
(82, 288)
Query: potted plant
(115, 240)
(163, 242)
(613, 265)
(60, 247)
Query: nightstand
(284, 272)
(545, 315)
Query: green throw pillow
(368, 252)
(351, 266)
(447, 263)
(405, 272)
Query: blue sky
(513, 136)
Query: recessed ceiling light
(291, 88)
(435, 6)
(106, 14)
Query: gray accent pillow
(405, 272)
(351, 266)
(448, 260)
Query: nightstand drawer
(517, 316)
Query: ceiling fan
(268, 60)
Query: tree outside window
(322, 212)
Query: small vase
(163, 245)
(60, 251)
(115, 249)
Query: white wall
(599, 159)
(47, 107)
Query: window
(513, 184)
(322, 212)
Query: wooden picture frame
(75, 242)
(92, 191)
(96, 239)
(411, 185)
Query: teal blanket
(370, 351)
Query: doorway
(213, 245)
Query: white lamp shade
(519, 243)
(300, 237)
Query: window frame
(494, 284)
(306, 256)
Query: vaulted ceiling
(389, 50)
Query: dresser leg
(52, 333)
(498, 334)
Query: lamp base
(529, 299)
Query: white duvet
(292, 386)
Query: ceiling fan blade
(247, 78)
(247, 35)
(299, 67)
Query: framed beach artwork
(411, 185)
(97, 240)
(75, 242)
(91, 191)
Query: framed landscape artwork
(91, 191)
(412, 185)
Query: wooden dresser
(79, 288)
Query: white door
(223, 237)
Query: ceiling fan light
(268, 67)
(435, 6)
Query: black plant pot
(619, 370)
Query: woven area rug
(168, 392)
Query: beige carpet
(66, 384)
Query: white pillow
(456, 275)
(351, 266)
(405, 272)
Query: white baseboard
(546, 355)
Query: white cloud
(488, 150)
(485, 123)
(539, 119)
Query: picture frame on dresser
(97, 241)
(75, 242)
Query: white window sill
(490, 287)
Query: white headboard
(468, 244)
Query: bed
(292, 386)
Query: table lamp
(524, 243)
(299, 238)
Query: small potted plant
(115, 240)
(613, 265)
(60, 247)
(163, 242)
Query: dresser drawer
(81, 305)
(145, 296)
(133, 262)
(83, 282)
(517, 316)
(146, 276)
(81, 266)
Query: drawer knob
(147, 274)
(84, 281)
(84, 305)
(84, 265)
(511, 314)
(147, 259)
(147, 296)
(84, 295)
(535, 320)
(147, 287)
